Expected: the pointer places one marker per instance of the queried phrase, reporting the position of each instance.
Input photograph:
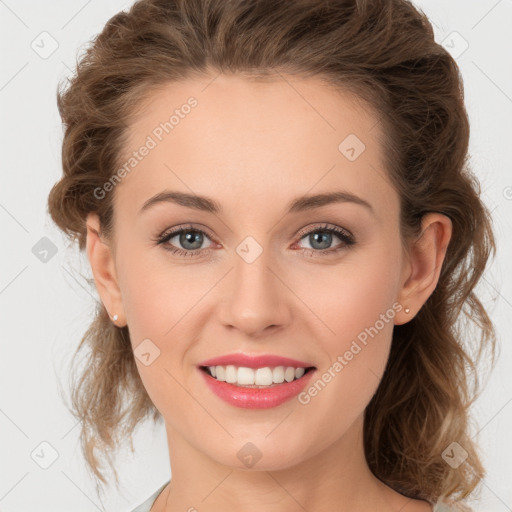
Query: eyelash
(346, 237)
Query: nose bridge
(256, 298)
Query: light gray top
(438, 507)
(146, 506)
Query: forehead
(239, 139)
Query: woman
(276, 204)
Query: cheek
(155, 292)
(356, 297)
(358, 309)
(361, 316)
(158, 302)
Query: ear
(422, 266)
(101, 260)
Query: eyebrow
(299, 204)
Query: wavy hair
(383, 52)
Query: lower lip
(256, 398)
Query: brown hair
(382, 51)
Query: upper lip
(254, 361)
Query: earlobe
(103, 269)
(425, 260)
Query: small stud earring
(115, 317)
(406, 310)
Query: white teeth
(220, 373)
(243, 376)
(278, 374)
(263, 377)
(231, 374)
(289, 374)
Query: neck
(336, 478)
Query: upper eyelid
(186, 227)
(327, 226)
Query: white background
(46, 307)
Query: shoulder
(146, 505)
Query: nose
(256, 299)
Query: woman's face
(257, 276)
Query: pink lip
(258, 361)
(256, 398)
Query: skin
(253, 146)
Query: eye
(320, 238)
(190, 238)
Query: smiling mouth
(265, 377)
